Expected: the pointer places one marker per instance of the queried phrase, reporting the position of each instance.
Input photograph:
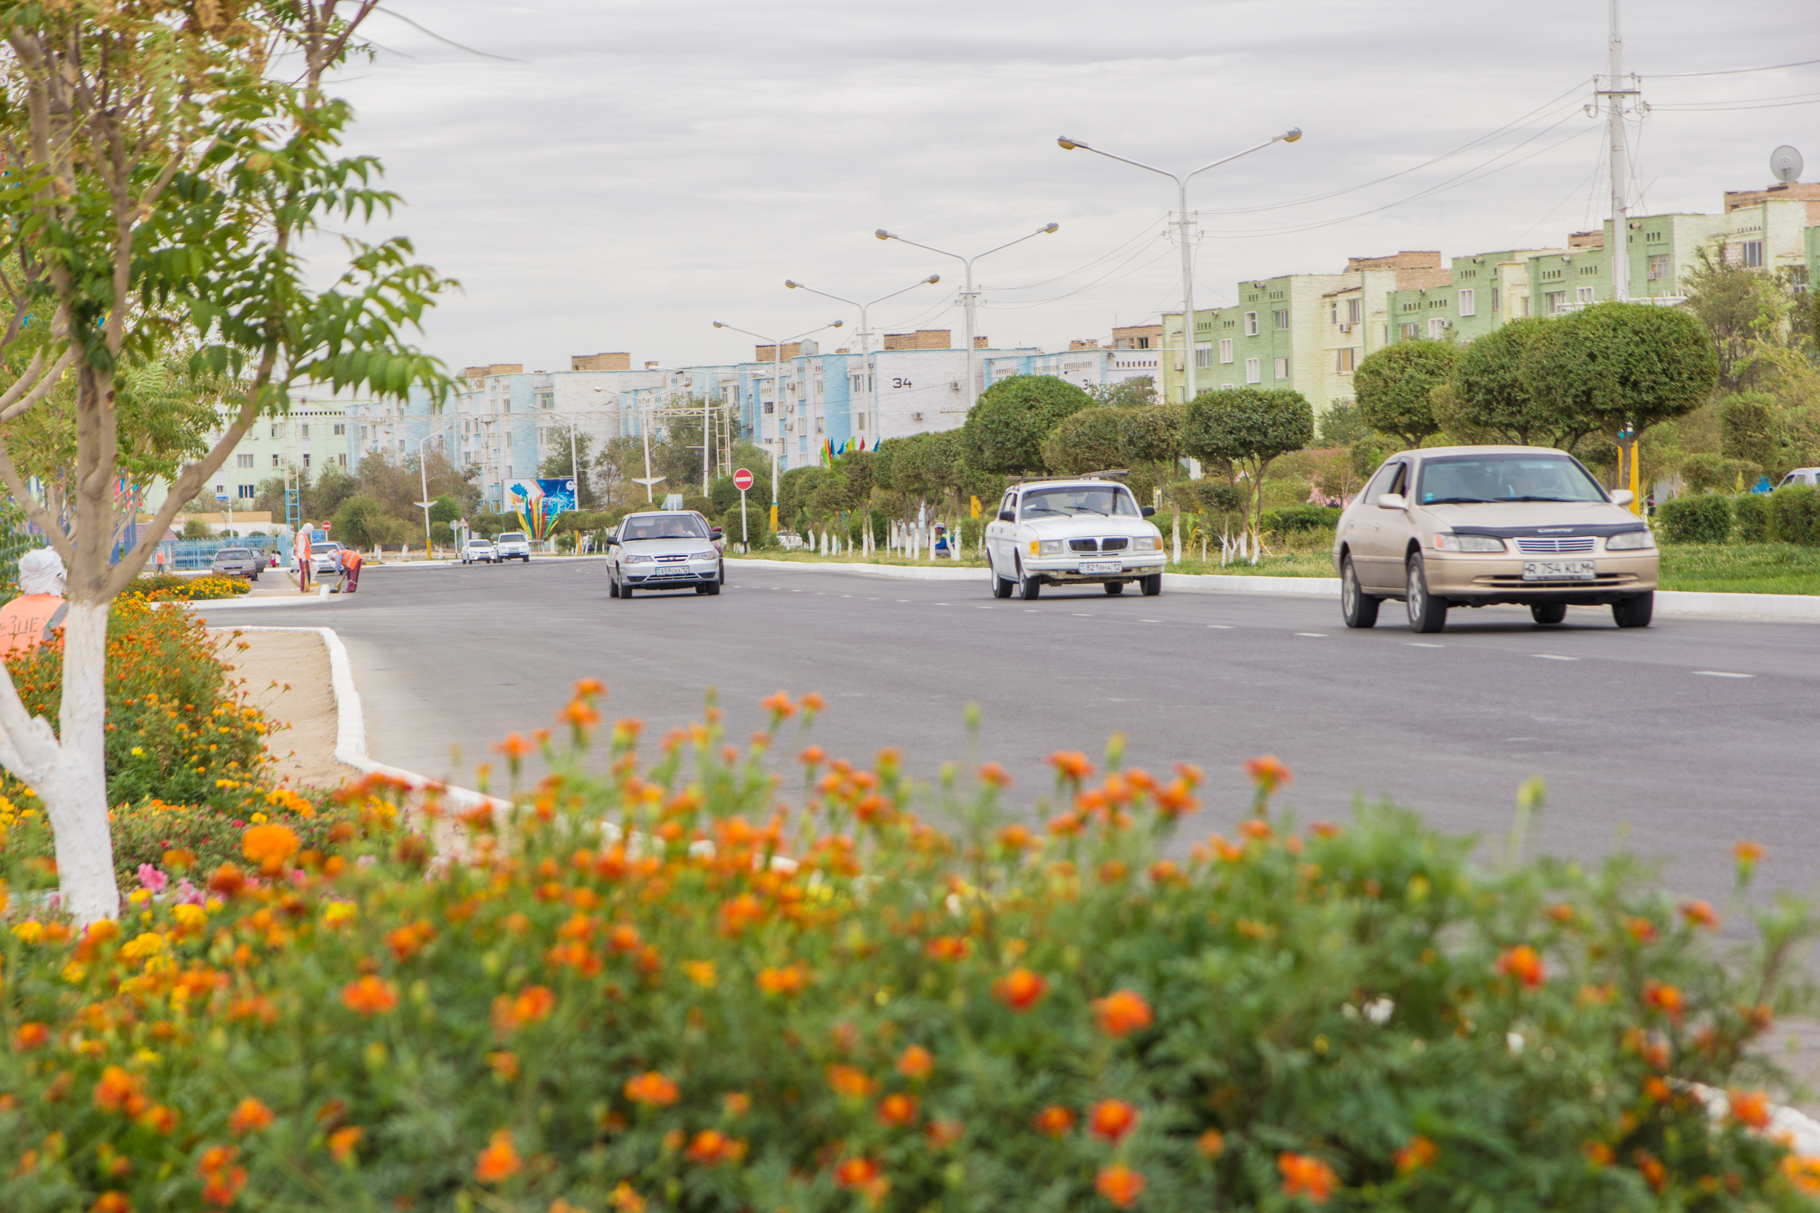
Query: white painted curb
(351, 727)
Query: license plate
(1559, 570)
(1101, 566)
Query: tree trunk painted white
(1175, 537)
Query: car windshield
(480, 543)
(1104, 500)
(325, 548)
(1468, 479)
(233, 554)
(663, 526)
(512, 537)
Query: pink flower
(188, 894)
(151, 879)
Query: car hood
(1090, 524)
(1581, 517)
(668, 547)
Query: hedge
(1752, 513)
(1696, 518)
(1294, 519)
(1794, 512)
(679, 986)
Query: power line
(1106, 256)
(1720, 107)
(1736, 71)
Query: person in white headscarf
(34, 616)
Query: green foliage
(1621, 366)
(1715, 473)
(1087, 441)
(196, 528)
(1696, 518)
(1491, 401)
(1794, 514)
(1153, 434)
(445, 509)
(1005, 428)
(361, 523)
(1395, 387)
(1247, 427)
(1301, 519)
(1739, 307)
(1126, 394)
(1369, 453)
(1343, 424)
(1751, 512)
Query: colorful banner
(538, 502)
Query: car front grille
(1083, 545)
(1548, 543)
(1114, 545)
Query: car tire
(1115, 588)
(1001, 586)
(1548, 613)
(710, 587)
(1357, 608)
(625, 590)
(1033, 588)
(1425, 614)
(1151, 585)
(1635, 611)
(612, 586)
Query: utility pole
(1614, 94)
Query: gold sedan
(1476, 525)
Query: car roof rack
(1108, 474)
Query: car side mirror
(609, 541)
(1621, 497)
(1392, 501)
(1007, 516)
(714, 532)
(1149, 511)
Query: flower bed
(677, 987)
(169, 587)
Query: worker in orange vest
(34, 616)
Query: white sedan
(1082, 531)
(479, 551)
(664, 550)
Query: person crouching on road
(348, 560)
(34, 616)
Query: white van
(513, 545)
(1808, 476)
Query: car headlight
(1045, 547)
(631, 559)
(1446, 542)
(1147, 543)
(1629, 541)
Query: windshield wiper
(1087, 509)
(1567, 499)
(1457, 500)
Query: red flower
(1054, 1121)
(1664, 998)
(1305, 1176)
(1120, 1185)
(652, 1088)
(1123, 1013)
(1524, 964)
(369, 996)
(499, 1161)
(1418, 1155)
(898, 1111)
(916, 1062)
(1750, 1108)
(248, 1117)
(1111, 1120)
(1020, 989)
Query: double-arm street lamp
(865, 328)
(777, 371)
(1183, 222)
(423, 481)
(969, 296)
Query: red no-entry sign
(742, 480)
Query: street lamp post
(1183, 223)
(423, 481)
(865, 327)
(777, 372)
(969, 296)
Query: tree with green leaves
(1621, 367)
(1395, 387)
(161, 182)
(1740, 307)
(1139, 392)
(1087, 441)
(1489, 399)
(561, 462)
(1005, 428)
(1248, 427)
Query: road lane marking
(1313, 635)
(1553, 657)
(1722, 674)
(1417, 644)
(1150, 621)
(1224, 627)
(1082, 615)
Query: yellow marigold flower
(147, 944)
(189, 916)
(701, 972)
(29, 931)
(269, 846)
(336, 913)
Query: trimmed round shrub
(1300, 519)
(1087, 441)
(1696, 518)
(1006, 426)
(1752, 514)
(1794, 514)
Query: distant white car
(1081, 531)
(477, 551)
(1808, 476)
(512, 545)
(322, 558)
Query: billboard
(538, 502)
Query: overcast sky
(646, 169)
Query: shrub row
(1791, 514)
(170, 587)
(819, 1002)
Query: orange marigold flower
(940, 1134)
(1598, 1154)
(1655, 1089)
(342, 1142)
(221, 1187)
(1305, 1176)
(1747, 853)
(249, 1116)
(227, 880)
(1641, 929)
(499, 1161)
(813, 702)
(117, 1091)
(1111, 1119)
(1015, 838)
(850, 1080)
(1664, 998)
(897, 1110)
(711, 1147)
(948, 947)
(1654, 1173)
(1020, 989)
(1749, 1108)
(31, 1036)
(1561, 912)
(159, 1119)
(1803, 1172)
(369, 996)
(504, 1063)
(652, 1088)
(1072, 764)
(1523, 963)
(1254, 828)
(112, 1202)
(1325, 829)
(993, 775)
(515, 747)
(737, 1103)
(1417, 1155)
(1699, 914)
(1054, 1121)
(1123, 1012)
(814, 756)
(916, 1062)
(856, 1172)
(778, 705)
(589, 688)
(1120, 1185)
(1211, 1144)
(269, 846)
(791, 979)
(626, 1200)
(1176, 799)
(1268, 773)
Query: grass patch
(1741, 568)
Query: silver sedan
(664, 550)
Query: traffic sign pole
(742, 480)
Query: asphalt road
(1677, 740)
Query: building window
(770, 407)
(341, 431)
(1437, 328)
(1468, 306)
(1227, 387)
(1658, 268)
(1584, 294)
(1251, 324)
(1494, 301)
(1553, 302)
(274, 461)
(1345, 360)
(1281, 316)
(1753, 254)
(1252, 373)
(245, 492)
(1411, 331)
(818, 425)
(859, 421)
(1225, 349)
(243, 461)
(1355, 311)
(341, 460)
(304, 429)
(1203, 355)
(306, 459)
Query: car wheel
(625, 590)
(1547, 613)
(1425, 614)
(1357, 608)
(1001, 586)
(710, 587)
(1115, 588)
(1151, 585)
(1635, 611)
(1033, 588)
(612, 585)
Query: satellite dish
(1785, 163)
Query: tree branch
(12, 405)
(41, 517)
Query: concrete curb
(1680, 604)
(351, 726)
(252, 604)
